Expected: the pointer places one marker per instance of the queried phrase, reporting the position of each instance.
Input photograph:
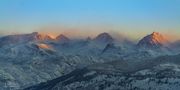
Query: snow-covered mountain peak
(39, 36)
(157, 37)
(104, 37)
(156, 33)
(62, 38)
(154, 40)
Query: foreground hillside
(162, 73)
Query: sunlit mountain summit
(154, 40)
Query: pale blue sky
(130, 16)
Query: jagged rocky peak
(154, 40)
(39, 36)
(48, 37)
(33, 36)
(104, 37)
(62, 38)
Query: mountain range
(28, 60)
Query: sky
(134, 18)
